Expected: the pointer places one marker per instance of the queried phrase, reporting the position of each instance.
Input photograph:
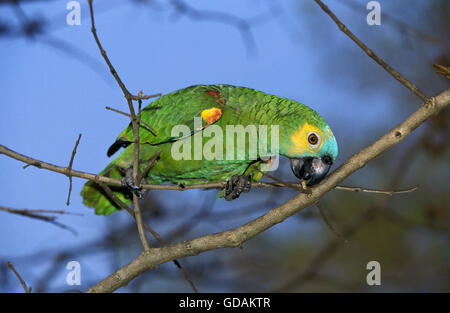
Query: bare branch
(371, 54)
(115, 182)
(38, 214)
(129, 97)
(69, 168)
(113, 71)
(296, 187)
(243, 25)
(442, 70)
(128, 115)
(149, 166)
(22, 282)
(326, 252)
(402, 26)
(148, 228)
(383, 192)
(325, 219)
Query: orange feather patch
(211, 115)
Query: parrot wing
(177, 108)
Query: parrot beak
(311, 169)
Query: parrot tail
(95, 197)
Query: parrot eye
(313, 139)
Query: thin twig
(34, 213)
(139, 122)
(279, 181)
(299, 187)
(137, 209)
(212, 185)
(371, 54)
(442, 70)
(39, 211)
(129, 97)
(119, 202)
(156, 95)
(402, 27)
(22, 282)
(325, 219)
(28, 213)
(113, 71)
(69, 168)
(383, 192)
(325, 253)
(37, 214)
(149, 166)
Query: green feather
(239, 105)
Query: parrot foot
(237, 185)
(128, 182)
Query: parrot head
(311, 147)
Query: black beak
(311, 169)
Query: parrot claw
(133, 188)
(237, 185)
(128, 182)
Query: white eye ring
(313, 137)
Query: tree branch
(115, 182)
(39, 215)
(371, 54)
(129, 116)
(22, 282)
(69, 167)
(148, 228)
(129, 97)
(137, 176)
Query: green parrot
(194, 131)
